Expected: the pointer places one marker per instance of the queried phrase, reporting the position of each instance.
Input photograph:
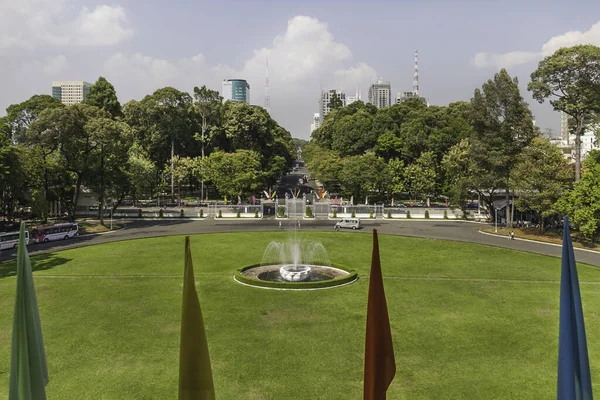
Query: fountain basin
(294, 273)
(319, 277)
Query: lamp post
(111, 215)
(202, 184)
(496, 229)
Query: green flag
(28, 372)
(195, 374)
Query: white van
(353, 223)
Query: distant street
(446, 230)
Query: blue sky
(142, 46)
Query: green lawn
(487, 329)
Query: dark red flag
(380, 365)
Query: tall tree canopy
(571, 78)
(104, 96)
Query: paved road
(447, 230)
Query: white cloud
(507, 60)
(29, 24)
(359, 75)
(105, 25)
(55, 65)
(301, 60)
(306, 55)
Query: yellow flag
(195, 374)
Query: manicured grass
(549, 236)
(468, 321)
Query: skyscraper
(380, 94)
(236, 90)
(325, 99)
(70, 92)
(316, 122)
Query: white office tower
(70, 92)
(316, 122)
(380, 94)
(325, 99)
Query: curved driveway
(434, 229)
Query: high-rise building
(236, 90)
(564, 126)
(352, 99)
(70, 92)
(380, 94)
(316, 122)
(325, 99)
(403, 96)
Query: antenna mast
(267, 95)
(416, 75)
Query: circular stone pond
(282, 277)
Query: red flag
(380, 365)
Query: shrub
(309, 213)
(353, 214)
(201, 213)
(426, 214)
(465, 215)
(389, 214)
(408, 214)
(281, 212)
(140, 213)
(256, 213)
(445, 214)
(335, 213)
(160, 213)
(181, 213)
(220, 214)
(371, 214)
(238, 214)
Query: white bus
(54, 232)
(10, 240)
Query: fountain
(295, 265)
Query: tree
(141, 171)
(570, 76)
(582, 204)
(182, 169)
(540, 177)
(209, 105)
(459, 171)
(109, 160)
(164, 124)
(234, 174)
(420, 176)
(502, 127)
(20, 116)
(361, 175)
(104, 96)
(396, 172)
(335, 102)
(12, 176)
(72, 132)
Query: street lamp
(111, 215)
(496, 229)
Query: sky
(141, 46)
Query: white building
(235, 90)
(403, 96)
(355, 98)
(380, 94)
(316, 122)
(70, 92)
(325, 98)
(589, 141)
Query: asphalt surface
(433, 229)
